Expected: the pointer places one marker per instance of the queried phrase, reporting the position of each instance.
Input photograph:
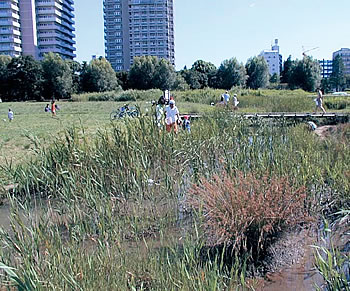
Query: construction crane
(305, 51)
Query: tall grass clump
(245, 210)
(332, 258)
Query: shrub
(245, 210)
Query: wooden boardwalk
(287, 115)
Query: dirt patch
(289, 263)
(325, 131)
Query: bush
(245, 210)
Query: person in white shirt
(172, 116)
(225, 98)
(319, 101)
(10, 114)
(235, 102)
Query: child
(187, 123)
(10, 115)
(47, 108)
(53, 108)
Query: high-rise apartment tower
(138, 28)
(36, 27)
(344, 53)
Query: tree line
(24, 78)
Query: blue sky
(215, 30)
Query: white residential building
(273, 59)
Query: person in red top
(53, 108)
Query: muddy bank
(289, 263)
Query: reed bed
(110, 212)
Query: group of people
(168, 113)
(52, 108)
(225, 99)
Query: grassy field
(32, 125)
(124, 206)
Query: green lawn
(31, 123)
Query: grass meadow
(124, 206)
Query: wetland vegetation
(124, 206)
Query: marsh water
(301, 276)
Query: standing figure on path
(53, 108)
(235, 102)
(226, 98)
(160, 112)
(172, 116)
(319, 101)
(10, 115)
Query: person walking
(160, 112)
(10, 115)
(235, 102)
(172, 116)
(226, 98)
(319, 101)
(53, 108)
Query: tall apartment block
(138, 28)
(36, 27)
(344, 53)
(10, 34)
(273, 59)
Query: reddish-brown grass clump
(244, 210)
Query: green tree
(58, 80)
(99, 76)
(165, 75)
(180, 83)
(275, 79)
(287, 70)
(24, 79)
(206, 72)
(326, 85)
(305, 74)
(142, 72)
(231, 73)
(337, 78)
(258, 73)
(192, 78)
(76, 69)
(123, 79)
(4, 61)
(148, 72)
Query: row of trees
(147, 73)
(24, 78)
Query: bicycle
(125, 111)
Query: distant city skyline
(234, 28)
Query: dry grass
(244, 210)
